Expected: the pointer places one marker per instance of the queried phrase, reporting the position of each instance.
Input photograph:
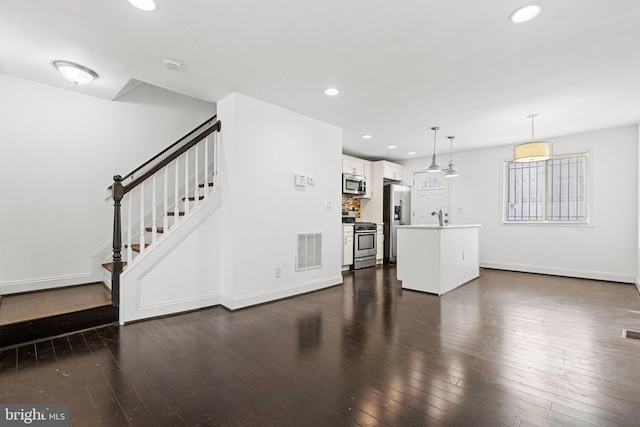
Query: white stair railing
(189, 171)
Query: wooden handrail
(209, 120)
(133, 184)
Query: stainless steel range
(364, 244)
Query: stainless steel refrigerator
(397, 211)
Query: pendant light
(450, 173)
(434, 166)
(534, 151)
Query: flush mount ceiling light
(75, 73)
(366, 137)
(534, 151)
(525, 13)
(331, 91)
(450, 173)
(146, 5)
(434, 166)
(391, 147)
(411, 153)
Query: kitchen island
(437, 259)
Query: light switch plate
(327, 205)
(311, 180)
(301, 180)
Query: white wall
(607, 249)
(59, 151)
(638, 229)
(262, 148)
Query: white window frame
(544, 221)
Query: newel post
(117, 193)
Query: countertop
(428, 226)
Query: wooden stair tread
(158, 229)
(51, 302)
(136, 246)
(193, 198)
(109, 266)
(172, 213)
(209, 185)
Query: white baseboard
(555, 271)
(173, 307)
(235, 303)
(20, 286)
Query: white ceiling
(401, 67)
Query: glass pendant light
(534, 151)
(434, 166)
(450, 173)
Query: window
(552, 191)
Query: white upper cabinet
(392, 171)
(352, 165)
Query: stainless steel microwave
(354, 184)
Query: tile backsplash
(350, 203)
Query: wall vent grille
(309, 253)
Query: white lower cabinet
(347, 245)
(380, 243)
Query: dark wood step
(158, 229)
(136, 246)
(202, 185)
(193, 198)
(23, 332)
(109, 266)
(173, 213)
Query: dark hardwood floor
(508, 349)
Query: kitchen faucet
(441, 220)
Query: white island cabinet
(437, 259)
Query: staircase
(155, 198)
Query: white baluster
(205, 193)
(129, 228)
(186, 182)
(196, 189)
(165, 206)
(154, 224)
(142, 218)
(176, 204)
(215, 159)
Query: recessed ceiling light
(391, 147)
(331, 91)
(366, 136)
(75, 73)
(146, 5)
(525, 13)
(411, 153)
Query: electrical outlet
(278, 272)
(311, 180)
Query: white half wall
(59, 152)
(605, 250)
(262, 148)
